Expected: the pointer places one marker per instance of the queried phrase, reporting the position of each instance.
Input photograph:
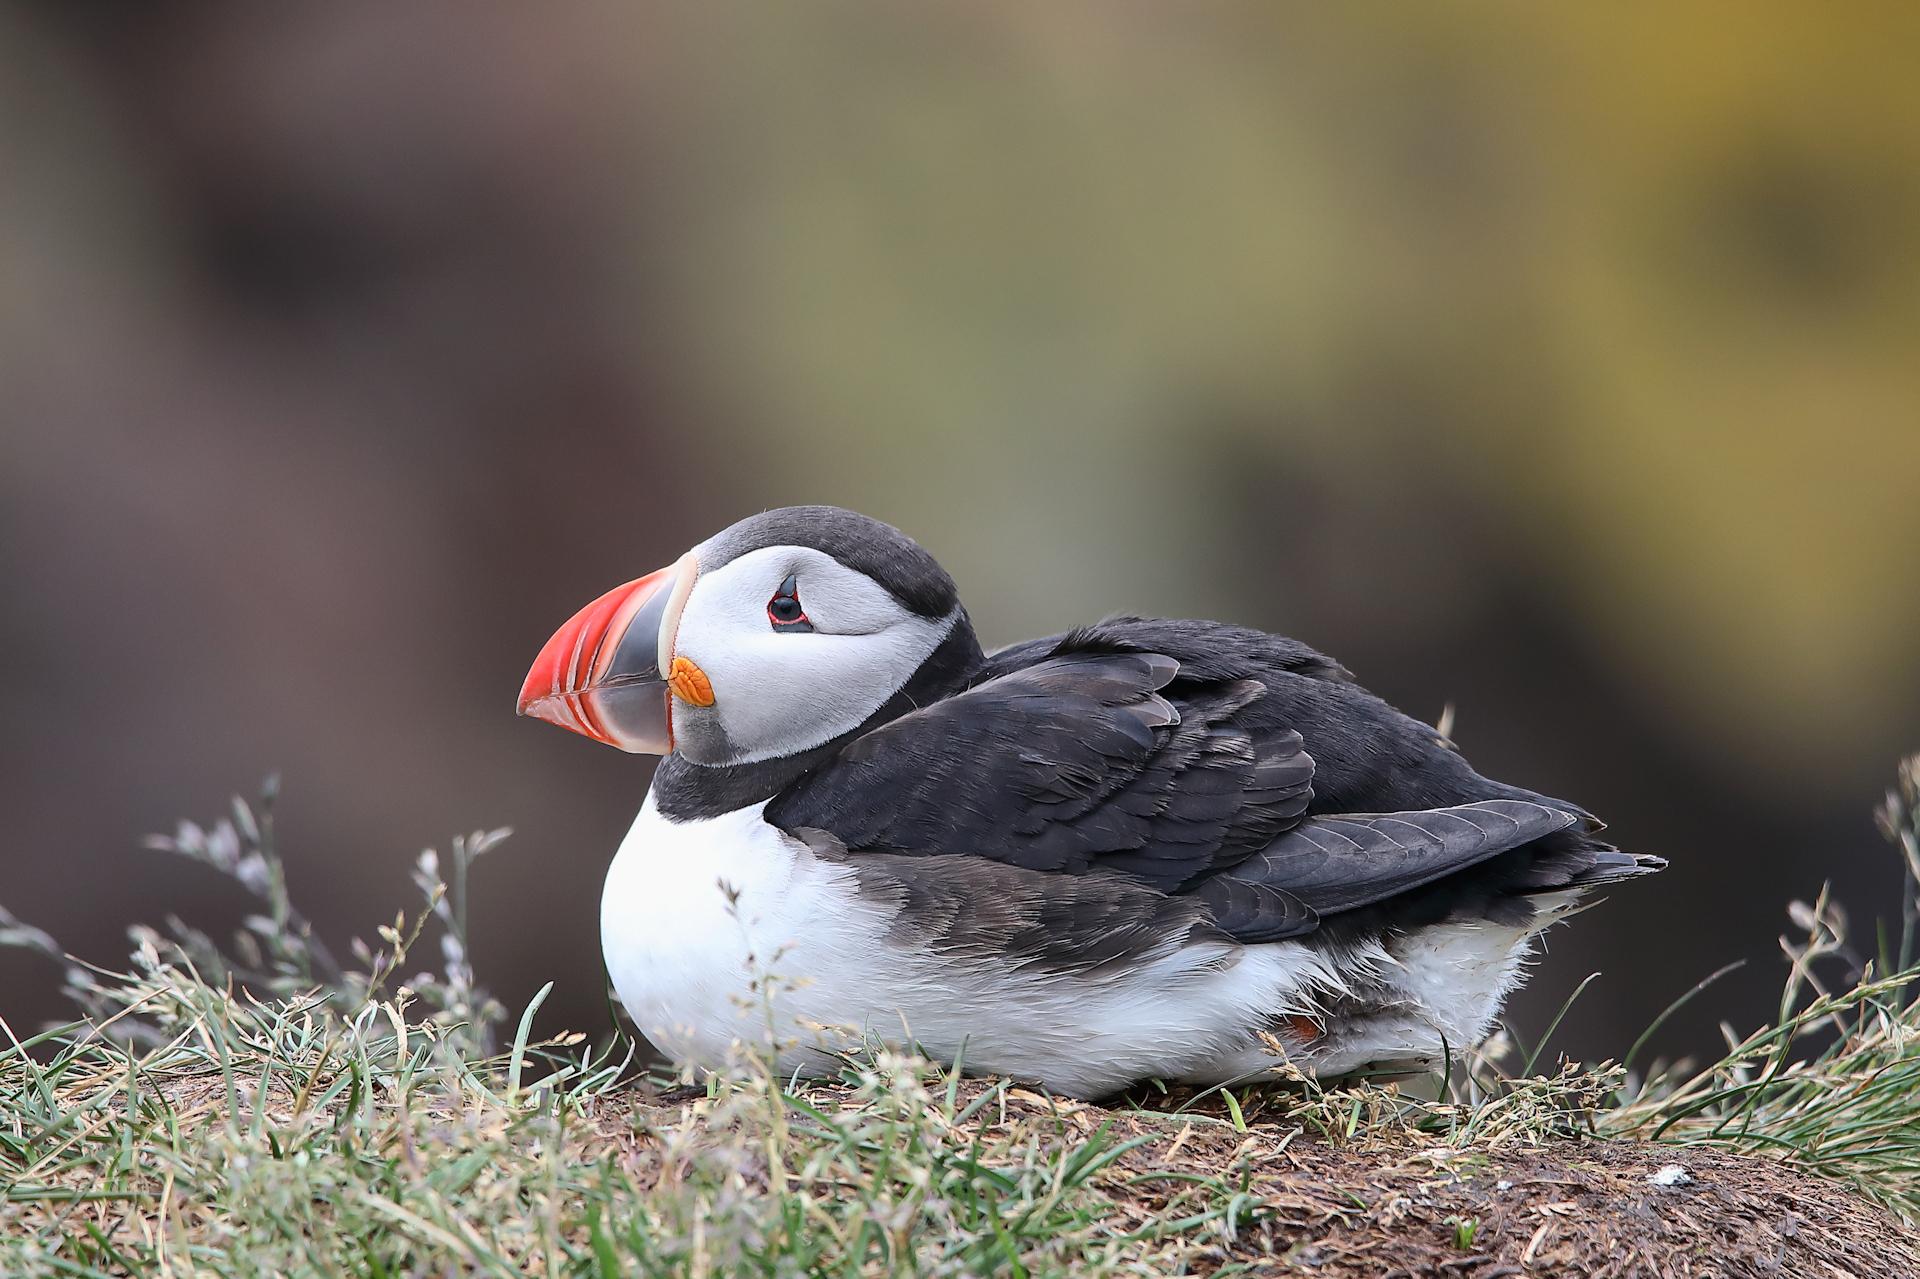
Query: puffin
(1143, 849)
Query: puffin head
(770, 638)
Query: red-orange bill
(600, 673)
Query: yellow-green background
(1560, 361)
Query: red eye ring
(785, 611)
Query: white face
(776, 691)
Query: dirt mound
(1393, 1205)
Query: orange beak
(607, 673)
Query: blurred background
(1558, 362)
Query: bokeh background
(1558, 362)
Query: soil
(1593, 1209)
(1392, 1204)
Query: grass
(266, 1109)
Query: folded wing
(1128, 764)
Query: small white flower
(252, 873)
(1669, 1176)
(223, 846)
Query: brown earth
(1587, 1210)
(1394, 1204)
(1583, 1208)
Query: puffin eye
(784, 609)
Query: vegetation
(266, 1109)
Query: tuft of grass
(277, 1137)
(264, 1108)
(1833, 1085)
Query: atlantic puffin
(1145, 848)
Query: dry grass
(340, 1123)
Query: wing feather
(1189, 776)
(1080, 760)
(1346, 861)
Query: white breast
(729, 929)
(700, 921)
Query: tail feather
(1612, 865)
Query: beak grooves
(609, 673)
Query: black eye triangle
(784, 610)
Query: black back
(1240, 771)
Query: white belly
(708, 927)
(730, 930)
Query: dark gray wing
(1330, 864)
(1076, 763)
(1098, 755)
